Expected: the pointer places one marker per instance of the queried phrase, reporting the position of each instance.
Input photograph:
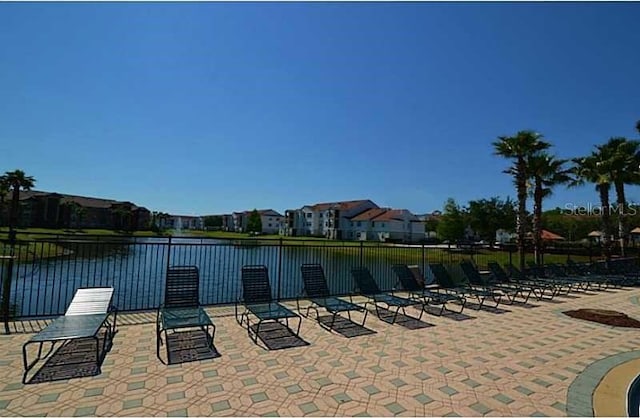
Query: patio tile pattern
(519, 361)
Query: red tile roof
(369, 214)
(344, 205)
(384, 214)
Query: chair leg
(365, 317)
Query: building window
(382, 225)
(358, 224)
(269, 225)
(320, 214)
(309, 215)
(373, 224)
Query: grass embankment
(34, 243)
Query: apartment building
(271, 221)
(330, 220)
(384, 224)
(42, 209)
(179, 222)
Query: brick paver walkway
(516, 361)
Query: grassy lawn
(372, 250)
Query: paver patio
(518, 361)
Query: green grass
(31, 250)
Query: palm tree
(624, 161)
(595, 169)
(4, 191)
(518, 148)
(546, 172)
(16, 180)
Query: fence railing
(46, 272)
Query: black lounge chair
(476, 280)
(367, 286)
(539, 290)
(540, 273)
(445, 281)
(409, 282)
(181, 308)
(616, 274)
(258, 302)
(89, 314)
(585, 282)
(316, 289)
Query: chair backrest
(441, 275)
(255, 284)
(406, 278)
(365, 281)
(315, 283)
(471, 273)
(92, 300)
(536, 269)
(515, 272)
(556, 270)
(498, 272)
(417, 274)
(182, 287)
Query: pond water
(137, 269)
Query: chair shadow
(456, 316)
(408, 322)
(276, 336)
(490, 309)
(187, 346)
(524, 305)
(345, 327)
(74, 359)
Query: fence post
(510, 255)
(279, 268)
(6, 280)
(169, 253)
(423, 262)
(361, 254)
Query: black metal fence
(42, 274)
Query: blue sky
(203, 108)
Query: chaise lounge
(89, 315)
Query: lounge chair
(367, 286)
(540, 273)
(316, 289)
(409, 282)
(476, 280)
(539, 290)
(181, 308)
(258, 302)
(445, 281)
(89, 313)
(587, 282)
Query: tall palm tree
(4, 191)
(624, 162)
(17, 180)
(518, 148)
(545, 172)
(595, 169)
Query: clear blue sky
(207, 108)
